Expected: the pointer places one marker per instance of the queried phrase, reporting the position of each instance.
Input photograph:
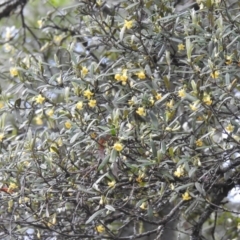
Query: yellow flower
(181, 47)
(140, 177)
(141, 75)
(182, 93)
(199, 143)
(170, 103)
(79, 105)
(84, 71)
(229, 128)
(92, 103)
(50, 112)
(172, 186)
(131, 102)
(93, 135)
(39, 99)
(1, 137)
(179, 172)
(68, 124)
(111, 184)
(38, 120)
(12, 186)
(23, 199)
(117, 77)
(151, 100)
(1, 104)
(99, 3)
(118, 146)
(186, 196)
(88, 94)
(124, 71)
(128, 24)
(8, 48)
(100, 228)
(40, 23)
(13, 72)
(141, 111)
(169, 129)
(143, 206)
(228, 60)
(207, 99)
(200, 118)
(158, 96)
(194, 106)
(215, 74)
(57, 39)
(124, 78)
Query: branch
(10, 7)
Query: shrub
(117, 116)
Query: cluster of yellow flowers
(122, 77)
(88, 94)
(180, 171)
(207, 99)
(215, 74)
(182, 93)
(141, 75)
(199, 143)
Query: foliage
(111, 112)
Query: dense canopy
(119, 119)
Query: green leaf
(163, 147)
(96, 214)
(154, 149)
(154, 119)
(104, 162)
(110, 207)
(113, 155)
